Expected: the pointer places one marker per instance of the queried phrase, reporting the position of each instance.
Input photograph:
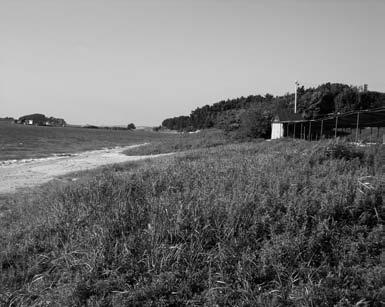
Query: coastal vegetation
(281, 223)
(171, 143)
(236, 114)
(226, 219)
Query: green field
(280, 223)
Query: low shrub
(343, 151)
(250, 224)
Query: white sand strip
(35, 172)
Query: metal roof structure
(329, 124)
(364, 118)
(355, 119)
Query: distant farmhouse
(41, 120)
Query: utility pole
(295, 96)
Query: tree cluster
(238, 113)
(335, 97)
(220, 114)
(131, 126)
(177, 123)
(42, 120)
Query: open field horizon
(257, 178)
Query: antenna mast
(295, 96)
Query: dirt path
(35, 172)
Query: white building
(281, 121)
(277, 130)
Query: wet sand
(30, 173)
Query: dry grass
(182, 142)
(269, 224)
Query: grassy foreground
(286, 223)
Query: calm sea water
(24, 142)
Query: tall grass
(271, 224)
(182, 142)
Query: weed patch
(268, 224)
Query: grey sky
(115, 62)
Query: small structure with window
(281, 121)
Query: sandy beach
(33, 172)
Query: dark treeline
(331, 98)
(177, 123)
(236, 114)
(221, 114)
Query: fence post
(357, 125)
(335, 133)
(300, 135)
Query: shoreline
(54, 156)
(29, 173)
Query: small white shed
(276, 130)
(279, 125)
